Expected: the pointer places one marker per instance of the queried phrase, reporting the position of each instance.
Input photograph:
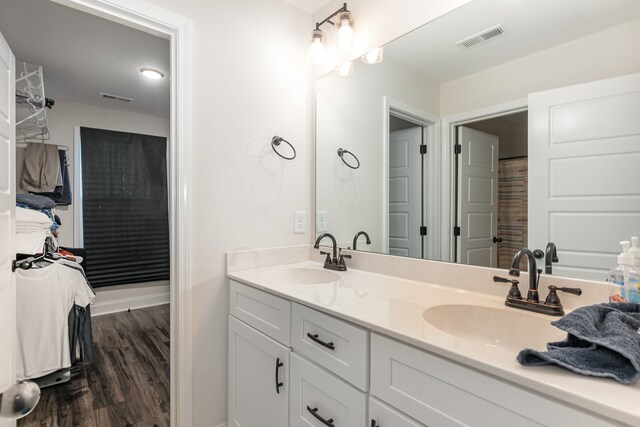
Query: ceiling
(83, 55)
(309, 6)
(530, 26)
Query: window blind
(124, 206)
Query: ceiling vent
(481, 37)
(116, 97)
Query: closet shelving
(31, 104)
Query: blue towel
(603, 341)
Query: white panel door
(258, 378)
(584, 166)
(7, 218)
(405, 192)
(477, 197)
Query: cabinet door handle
(279, 365)
(324, 421)
(315, 338)
(374, 423)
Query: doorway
(408, 170)
(491, 200)
(157, 21)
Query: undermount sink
(494, 327)
(302, 276)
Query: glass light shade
(317, 50)
(345, 70)
(151, 73)
(374, 56)
(344, 31)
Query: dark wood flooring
(128, 385)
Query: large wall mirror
(502, 124)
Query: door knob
(497, 240)
(19, 400)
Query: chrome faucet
(358, 234)
(551, 256)
(332, 262)
(551, 304)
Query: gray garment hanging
(41, 168)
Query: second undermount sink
(494, 327)
(301, 275)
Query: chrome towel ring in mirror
(276, 141)
(342, 152)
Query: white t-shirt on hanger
(44, 298)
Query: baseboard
(124, 304)
(221, 425)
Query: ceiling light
(344, 30)
(345, 70)
(343, 35)
(316, 50)
(374, 56)
(151, 73)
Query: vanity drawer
(313, 389)
(336, 345)
(381, 415)
(437, 392)
(269, 314)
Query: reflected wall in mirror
(542, 98)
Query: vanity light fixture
(343, 36)
(151, 73)
(345, 70)
(374, 56)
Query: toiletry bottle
(626, 277)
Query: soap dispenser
(626, 277)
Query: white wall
(608, 53)
(350, 115)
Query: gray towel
(603, 341)
(35, 201)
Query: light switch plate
(321, 221)
(299, 222)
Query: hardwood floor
(128, 385)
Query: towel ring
(275, 142)
(342, 152)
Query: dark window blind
(124, 207)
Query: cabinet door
(258, 378)
(319, 399)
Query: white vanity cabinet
(258, 369)
(258, 378)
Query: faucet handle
(328, 259)
(514, 292)
(552, 298)
(574, 291)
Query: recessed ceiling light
(151, 73)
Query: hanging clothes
(41, 167)
(44, 298)
(61, 195)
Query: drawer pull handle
(279, 365)
(315, 338)
(326, 422)
(374, 423)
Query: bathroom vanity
(313, 347)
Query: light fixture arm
(328, 19)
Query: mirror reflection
(498, 126)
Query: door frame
(448, 183)
(163, 23)
(431, 125)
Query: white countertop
(395, 307)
